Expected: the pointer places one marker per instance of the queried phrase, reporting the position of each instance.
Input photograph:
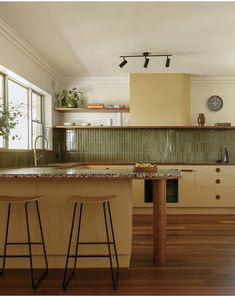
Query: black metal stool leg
(78, 235)
(114, 244)
(109, 249)
(34, 283)
(6, 238)
(44, 273)
(67, 280)
(42, 237)
(29, 245)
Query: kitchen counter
(77, 172)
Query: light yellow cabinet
(202, 186)
(187, 186)
(215, 186)
(138, 193)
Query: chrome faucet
(36, 158)
(226, 157)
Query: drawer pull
(187, 170)
(217, 170)
(217, 181)
(217, 196)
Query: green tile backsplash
(144, 145)
(131, 145)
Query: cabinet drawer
(212, 197)
(215, 181)
(217, 170)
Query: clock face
(215, 103)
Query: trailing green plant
(9, 118)
(69, 98)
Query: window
(37, 126)
(1, 101)
(30, 104)
(18, 96)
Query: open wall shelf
(93, 110)
(147, 127)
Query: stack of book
(95, 106)
(223, 124)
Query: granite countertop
(75, 172)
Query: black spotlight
(146, 62)
(167, 62)
(123, 63)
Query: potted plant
(70, 98)
(8, 120)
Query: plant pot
(69, 103)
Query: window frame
(30, 91)
(41, 121)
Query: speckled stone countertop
(76, 172)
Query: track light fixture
(167, 62)
(123, 63)
(146, 56)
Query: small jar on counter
(201, 119)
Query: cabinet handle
(217, 196)
(185, 170)
(217, 181)
(217, 170)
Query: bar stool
(75, 199)
(25, 200)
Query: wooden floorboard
(201, 261)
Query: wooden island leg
(159, 221)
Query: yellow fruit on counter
(144, 165)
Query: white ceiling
(87, 38)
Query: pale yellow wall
(159, 99)
(204, 87)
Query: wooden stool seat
(90, 199)
(18, 199)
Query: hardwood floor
(201, 260)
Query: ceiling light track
(146, 56)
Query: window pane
(37, 130)
(36, 107)
(17, 95)
(1, 86)
(1, 101)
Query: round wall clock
(215, 103)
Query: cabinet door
(215, 181)
(138, 193)
(215, 197)
(215, 170)
(187, 187)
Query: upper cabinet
(160, 99)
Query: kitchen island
(56, 184)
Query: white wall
(106, 90)
(116, 91)
(20, 63)
(204, 87)
(19, 60)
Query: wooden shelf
(142, 127)
(90, 110)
